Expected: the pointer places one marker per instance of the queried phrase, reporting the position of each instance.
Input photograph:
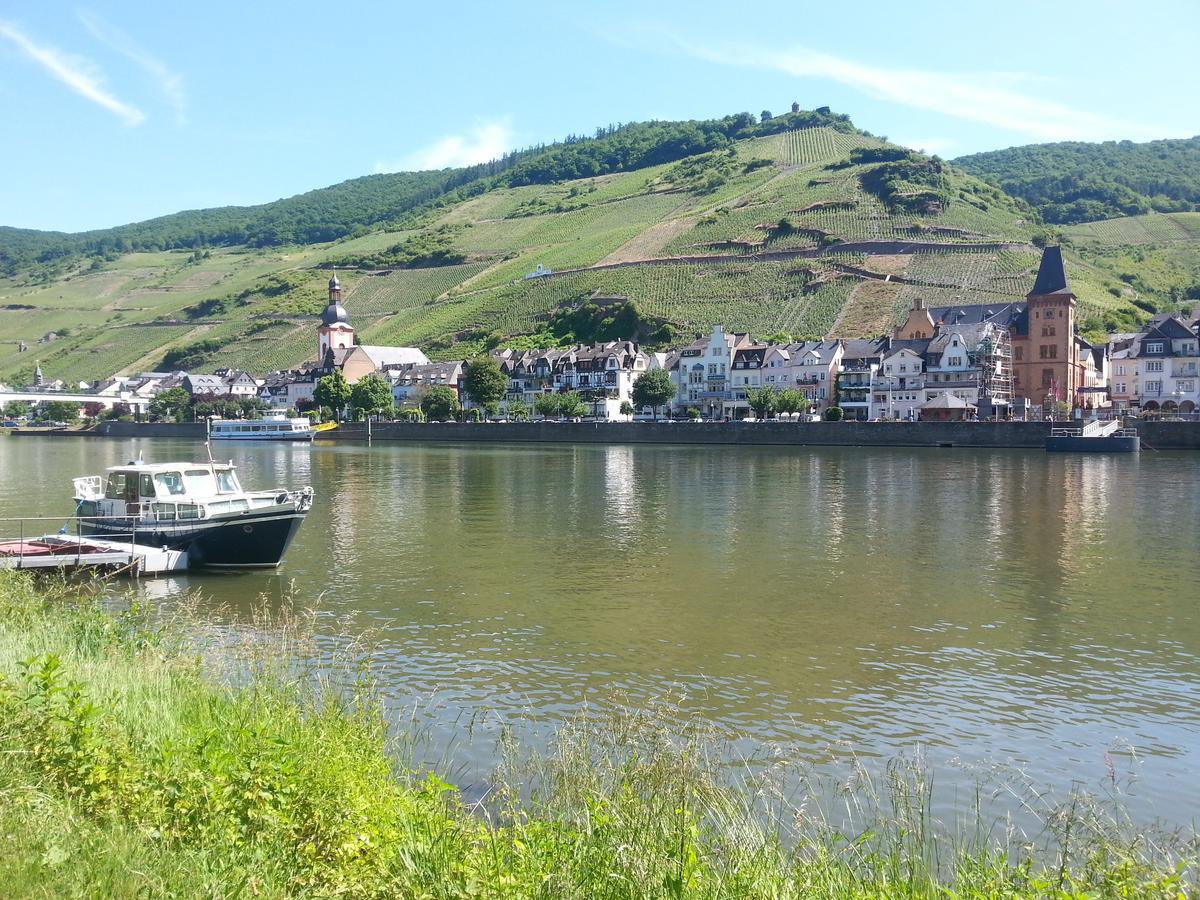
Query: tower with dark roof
(1046, 352)
(335, 331)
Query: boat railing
(33, 541)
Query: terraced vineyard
(375, 295)
(1159, 228)
(607, 234)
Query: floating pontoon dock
(74, 553)
(1094, 437)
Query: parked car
(9, 423)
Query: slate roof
(393, 356)
(1052, 274)
(1001, 314)
(946, 400)
(860, 349)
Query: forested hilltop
(360, 205)
(1074, 182)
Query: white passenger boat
(275, 426)
(197, 507)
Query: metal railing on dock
(34, 548)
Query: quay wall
(1031, 435)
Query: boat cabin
(167, 492)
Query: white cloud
(80, 75)
(487, 141)
(168, 81)
(984, 97)
(933, 145)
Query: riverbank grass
(127, 769)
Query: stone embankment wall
(1155, 435)
(833, 434)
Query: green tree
(15, 409)
(546, 405)
(440, 403)
(172, 404)
(653, 389)
(626, 408)
(571, 404)
(518, 410)
(332, 391)
(61, 410)
(372, 395)
(833, 414)
(484, 383)
(762, 400)
(791, 400)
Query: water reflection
(990, 606)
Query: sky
(121, 111)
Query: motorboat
(198, 507)
(275, 426)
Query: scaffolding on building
(996, 372)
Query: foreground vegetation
(130, 767)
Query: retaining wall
(1032, 435)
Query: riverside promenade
(1020, 435)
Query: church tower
(335, 331)
(1046, 365)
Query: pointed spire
(1052, 275)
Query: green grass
(132, 765)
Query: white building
(899, 387)
(1160, 370)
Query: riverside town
(1002, 361)
(470, 451)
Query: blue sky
(116, 112)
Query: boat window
(170, 482)
(188, 511)
(146, 485)
(227, 483)
(116, 486)
(164, 512)
(200, 482)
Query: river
(992, 608)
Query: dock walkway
(66, 552)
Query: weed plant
(141, 757)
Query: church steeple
(335, 331)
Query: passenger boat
(197, 507)
(275, 426)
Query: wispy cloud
(988, 98)
(486, 141)
(940, 146)
(168, 81)
(80, 75)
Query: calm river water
(991, 607)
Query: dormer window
(1154, 347)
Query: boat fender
(282, 498)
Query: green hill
(1074, 182)
(800, 224)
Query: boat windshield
(200, 482)
(170, 483)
